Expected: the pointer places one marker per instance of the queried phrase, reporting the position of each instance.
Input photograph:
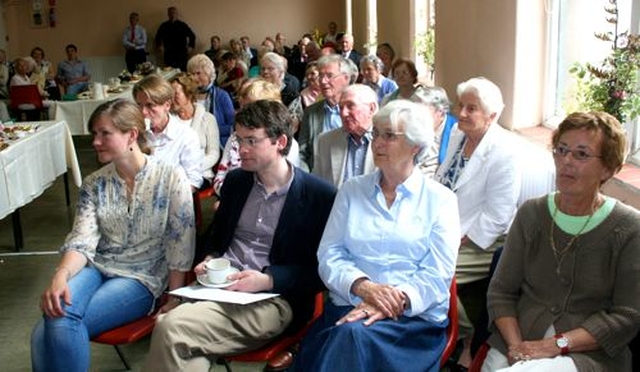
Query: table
(76, 113)
(30, 165)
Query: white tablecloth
(76, 113)
(30, 165)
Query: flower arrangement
(613, 85)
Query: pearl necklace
(561, 254)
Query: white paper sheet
(198, 292)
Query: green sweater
(598, 288)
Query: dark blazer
(355, 57)
(294, 264)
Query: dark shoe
(280, 362)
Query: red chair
(129, 333)
(277, 346)
(198, 197)
(452, 328)
(479, 358)
(26, 99)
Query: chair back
(25, 97)
(452, 328)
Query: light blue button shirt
(332, 118)
(413, 245)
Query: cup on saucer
(218, 269)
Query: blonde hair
(155, 87)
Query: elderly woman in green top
(566, 292)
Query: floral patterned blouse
(141, 238)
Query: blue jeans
(98, 303)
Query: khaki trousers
(193, 335)
(473, 265)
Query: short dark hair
(273, 116)
(71, 46)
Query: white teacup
(218, 269)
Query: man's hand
(250, 281)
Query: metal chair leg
(122, 357)
(225, 363)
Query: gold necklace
(560, 254)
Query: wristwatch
(562, 342)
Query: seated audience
(216, 47)
(312, 93)
(73, 73)
(215, 100)
(347, 51)
(332, 37)
(23, 67)
(482, 168)
(249, 55)
(193, 114)
(253, 90)
(272, 69)
(371, 69)
(231, 74)
(244, 61)
(4, 74)
(405, 75)
(387, 55)
(335, 74)
(172, 142)
(436, 100)
(280, 46)
(43, 75)
(133, 237)
(277, 254)
(564, 296)
(388, 257)
(345, 152)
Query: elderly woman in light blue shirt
(133, 236)
(387, 256)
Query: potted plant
(613, 85)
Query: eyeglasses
(249, 141)
(322, 76)
(385, 136)
(580, 155)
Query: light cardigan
(598, 288)
(206, 126)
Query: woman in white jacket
(481, 167)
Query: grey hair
(435, 97)
(278, 61)
(201, 61)
(487, 92)
(353, 71)
(417, 122)
(343, 63)
(374, 60)
(364, 93)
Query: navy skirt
(407, 344)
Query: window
(571, 25)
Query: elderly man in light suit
(345, 152)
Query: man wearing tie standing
(134, 40)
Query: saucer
(204, 280)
